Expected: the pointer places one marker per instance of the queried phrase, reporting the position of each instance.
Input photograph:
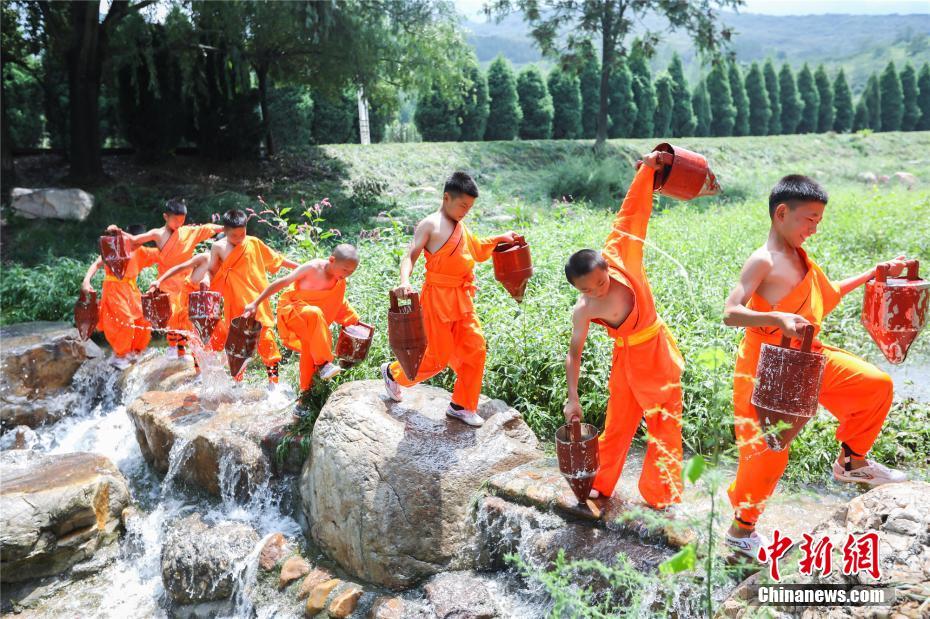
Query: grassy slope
(708, 238)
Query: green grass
(704, 244)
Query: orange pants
(125, 339)
(458, 344)
(316, 340)
(855, 391)
(660, 482)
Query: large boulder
(57, 511)
(38, 364)
(52, 203)
(900, 515)
(219, 443)
(389, 487)
(201, 562)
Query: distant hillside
(860, 44)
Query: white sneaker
(120, 363)
(746, 546)
(873, 474)
(391, 388)
(470, 417)
(329, 370)
(171, 352)
(594, 494)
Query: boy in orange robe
(314, 299)
(645, 375)
(453, 333)
(781, 291)
(238, 267)
(198, 267)
(176, 243)
(121, 320)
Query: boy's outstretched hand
(249, 310)
(86, 287)
(507, 237)
(657, 160)
(896, 265)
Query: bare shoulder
(582, 309)
(760, 261)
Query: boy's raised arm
(624, 243)
(737, 314)
(895, 266)
(175, 270)
(138, 239)
(279, 284)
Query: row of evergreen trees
(729, 100)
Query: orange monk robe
(121, 318)
(645, 376)
(180, 248)
(453, 333)
(304, 317)
(241, 278)
(855, 391)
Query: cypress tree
(892, 99)
(772, 87)
(535, 104)
(566, 103)
(760, 112)
(923, 97)
(873, 102)
(504, 109)
(437, 118)
(791, 104)
(910, 94)
(644, 94)
(842, 104)
(590, 80)
(475, 107)
(722, 110)
(862, 118)
(683, 121)
(810, 109)
(700, 103)
(665, 106)
(825, 90)
(740, 100)
(621, 105)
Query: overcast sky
(472, 8)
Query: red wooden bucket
(116, 250)
(406, 333)
(787, 388)
(241, 343)
(513, 266)
(894, 310)
(86, 314)
(577, 452)
(353, 343)
(156, 307)
(686, 176)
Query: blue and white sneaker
(391, 388)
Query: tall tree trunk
(84, 68)
(607, 58)
(7, 171)
(262, 72)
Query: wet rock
(311, 580)
(275, 548)
(388, 486)
(38, 362)
(316, 601)
(387, 608)
(900, 515)
(293, 568)
(537, 537)
(57, 511)
(212, 443)
(156, 372)
(344, 602)
(541, 485)
(459, 595)
(21, 437)
(200, 562)
(52, 203)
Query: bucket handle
(371, 329)
(574, 429)
(806, 342)
(913, 269)
(413, 297)
(518, 241)
(203, 287)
